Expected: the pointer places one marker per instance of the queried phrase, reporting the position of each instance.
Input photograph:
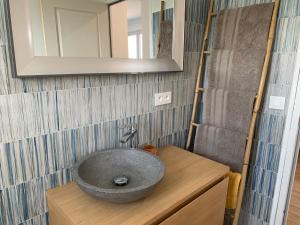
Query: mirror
(95, 28)
(54, 37)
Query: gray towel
(221, 145)
(235, 69)
(233, 78)
(228, 109)
(166, 37)
(244, 28)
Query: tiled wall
(266, 150)
(46, 124)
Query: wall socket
(162, 98)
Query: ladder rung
(195, 124)
(213, 14)
(206, 52)
(199, 90)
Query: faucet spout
(126, 137)
(129, 135)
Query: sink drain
(121, 180)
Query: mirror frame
(28, 65)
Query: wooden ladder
(258, 99)
(199, 89)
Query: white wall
(119, 30)
(47, 28)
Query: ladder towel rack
(258, 99)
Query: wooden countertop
(187, 176)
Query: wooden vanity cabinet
(193, 192)
(207, 209)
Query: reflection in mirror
(70, 28)
(134, 29)
(141, 29)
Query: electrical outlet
(277, 102)
(162, 98)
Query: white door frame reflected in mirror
(27, 64)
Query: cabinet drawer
(207, 209)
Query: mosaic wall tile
(262, 181)
(36, 113)
(270, 128)
(289, 8)
(191, 63)
(41, 219)
(287, 35)
(260, 213)
(193, 44)
(229, 4)
(266, 155)
(282, 68)
(3, 70)
(3, 28)
(28, 200)
(196, 11)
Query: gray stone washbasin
(119, 175)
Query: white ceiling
(134, 9)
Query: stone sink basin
(119, 175)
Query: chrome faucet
(129, 135)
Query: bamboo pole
(200, 71)
(257, 106)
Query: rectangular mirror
(56, 37)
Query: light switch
(162, 98)
(277, 102)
